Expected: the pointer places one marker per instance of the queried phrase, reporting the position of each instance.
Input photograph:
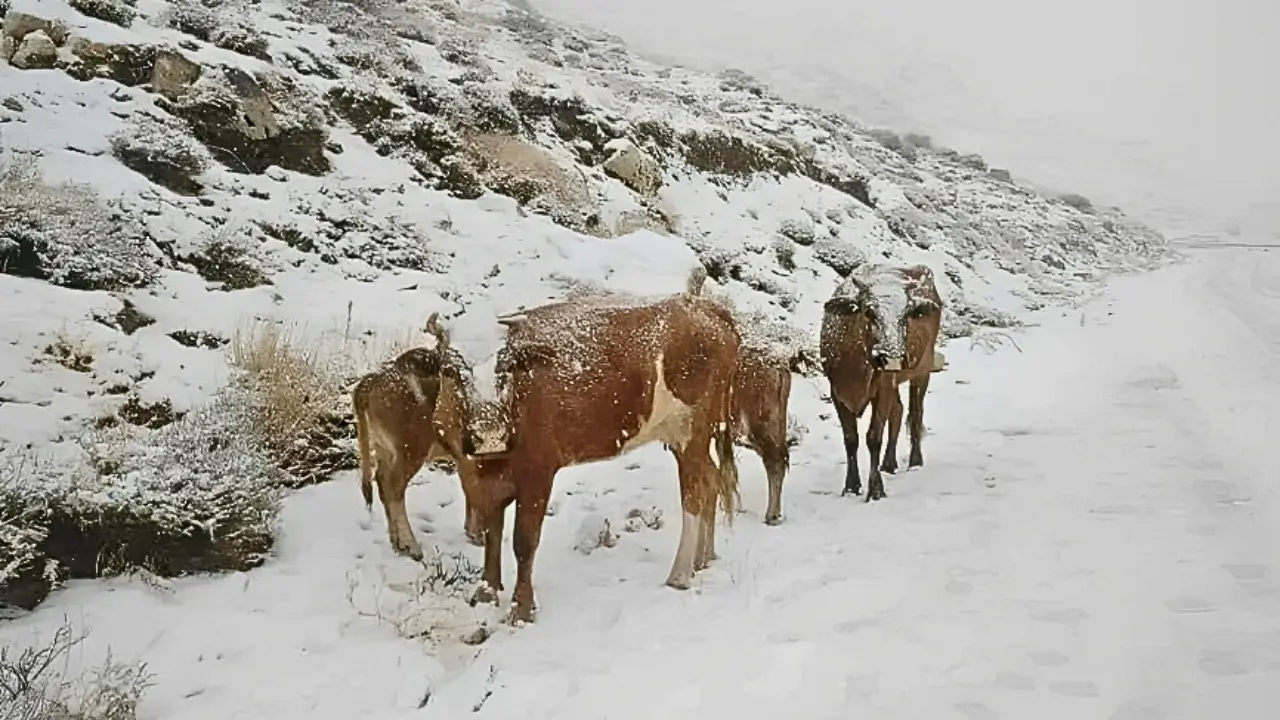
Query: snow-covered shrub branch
(65, 234)
(35, 685)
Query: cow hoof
(773, 520)
(916, 460)
(485, 594)
(476, 540)
(875, 495)
(851, 491)
(519, 615)
(890, 468)
(413, 551)
(677, 582)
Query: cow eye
(919, 311)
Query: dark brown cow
(879, 329)
(410, 411)
(593, 378)
(761, 390)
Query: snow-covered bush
(161, 149)
(112, 11)
(199, 494)
(839, 255)
(205, 475)
(33, 685)
(65, 234)
(193, 17)
(1079, 202)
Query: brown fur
(857, 341)
(580, 380)
(761, 390)
(408, 412)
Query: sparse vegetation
(117, 12)
(65, 234)
(34, 684)
(160, 148)
(70, 353)
(1079, 202)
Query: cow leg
(695, 482)
(889, 463)
(531, 509)
(849, 427)
(393, 481)
(915, 418)
(776, 456)
(474, 527)
(492, 579)
(875, 436)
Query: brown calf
(593, 378)
(761, 390)
(878, 330)
(407, 412)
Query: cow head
(892, 307)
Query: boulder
(249, 130)
(633, 166)
(35, 51)
(173, 73)
(18, 24)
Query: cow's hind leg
(915, 419)
(534, 491)
(393, 481)
(696, 479)
(849, 428)
(889, 463)
(776, 457)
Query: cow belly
(669, 420)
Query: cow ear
(841, 304)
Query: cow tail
(362, 442)
(727, 488)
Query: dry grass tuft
(300, 381)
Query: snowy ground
(1092, 536)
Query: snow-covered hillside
(1131, 102)
(213, 215)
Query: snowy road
(1094, 536)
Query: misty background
(1168, 108)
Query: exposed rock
(6, 47)
(35, 52)
(633, 166)
(129, 65)
(247, 129)
(173, 73)
(18, 24)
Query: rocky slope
(170, 171)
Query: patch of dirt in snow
(207, 205)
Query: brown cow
(408, 412)
(878, 330)
(593, 378)
(761, 390)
